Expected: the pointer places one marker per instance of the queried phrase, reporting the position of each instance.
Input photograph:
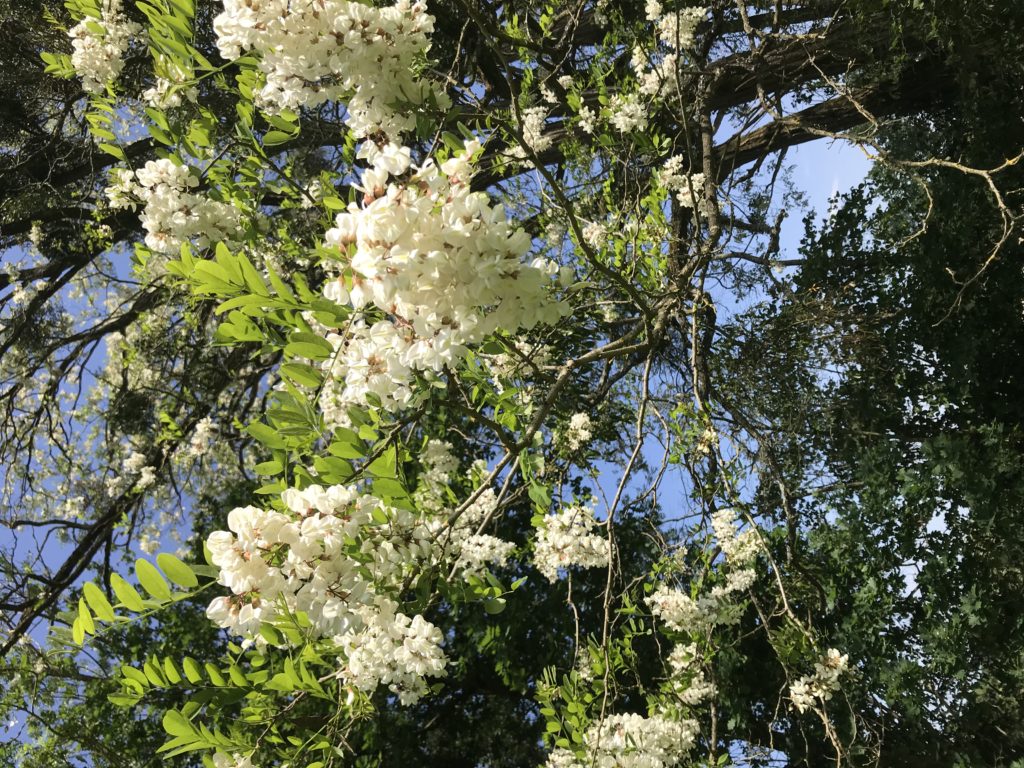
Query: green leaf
(309, 350)
(237, 677)
(171, 672)
(126, 593)
(494, 606)
(541, 498)
(98, 602)
(122, 699)
(269, 468)
(177, 571)
(177, 724)
(384, 465)
(214, 674)
(131, 673)
(113, 149)
(151, 669)
(273, 138)
(266, 435)
(151, 580)
(280, 682)
(300, 373)
(85, 617)
(192, 671)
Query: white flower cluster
(171, 213)
(688, 186)
(627, 113)
(822, 683)
(202, 437)
(739, 548)
(631, 741)
(313, 51)
(169, 89)
(508, 365)
(98, 46)
(687, 682)
(439, 467)
(533, 121)
(472, 551)
(657, 69)
(393, 650)
(443, 265)
(682, 613)
(595, 234)
(578, 432)
(336, 556)
(565, 539)
(677, 29)
(588, 119)
(480, 551)
(135, 466)
(222, 760)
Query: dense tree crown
(432, 384)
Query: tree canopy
(390, 385)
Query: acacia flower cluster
(98, 46)
(687, 682)
(682, 612)
(313, 51)
(337, 556)
(472, 550)
(393, 650)
(565, 539)
(739, 547)
(822, 683)
(170, 87)
(631, 741)
(431, 268)
(578, 433)
(689, 187)
(534, 120)
(222, 760)
(171, 212)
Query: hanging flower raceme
(98, 46)
(631, 741)
(337, 556)
(822, 683)
(314, 51)
(565, 539)
(431, 268)
(462, 541)
(172, 213)
(682, 612)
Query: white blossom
(532, 129)
(444, 266)
(335, 555)
(627, 113)
(313, 51)
(822, 683)
(631, 741)
(577, 434)
(739, 548)
(98, 46)
(222, 760)
(564, 539)
(171, 212)
(588, 119)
